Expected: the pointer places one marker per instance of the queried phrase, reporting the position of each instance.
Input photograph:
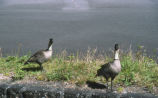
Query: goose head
(116, 50)
(50, 44)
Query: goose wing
(105, 68)
(37, 57)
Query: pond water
(77, 25)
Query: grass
(137, 68)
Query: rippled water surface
(77, 25)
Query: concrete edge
(37, 91)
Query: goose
(41, 56)
(111, 69)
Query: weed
(137, 68)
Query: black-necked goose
(111, 69)
(42, 55)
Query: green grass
(137, 69)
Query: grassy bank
(137, 69)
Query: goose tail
(26, 62)
(29, 60)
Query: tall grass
(137, 68)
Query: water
(75, 25)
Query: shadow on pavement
(31, 69)
(95, 85)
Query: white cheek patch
(50, 48)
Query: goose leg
(111, 85)
(41, 67)
(107, 85)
